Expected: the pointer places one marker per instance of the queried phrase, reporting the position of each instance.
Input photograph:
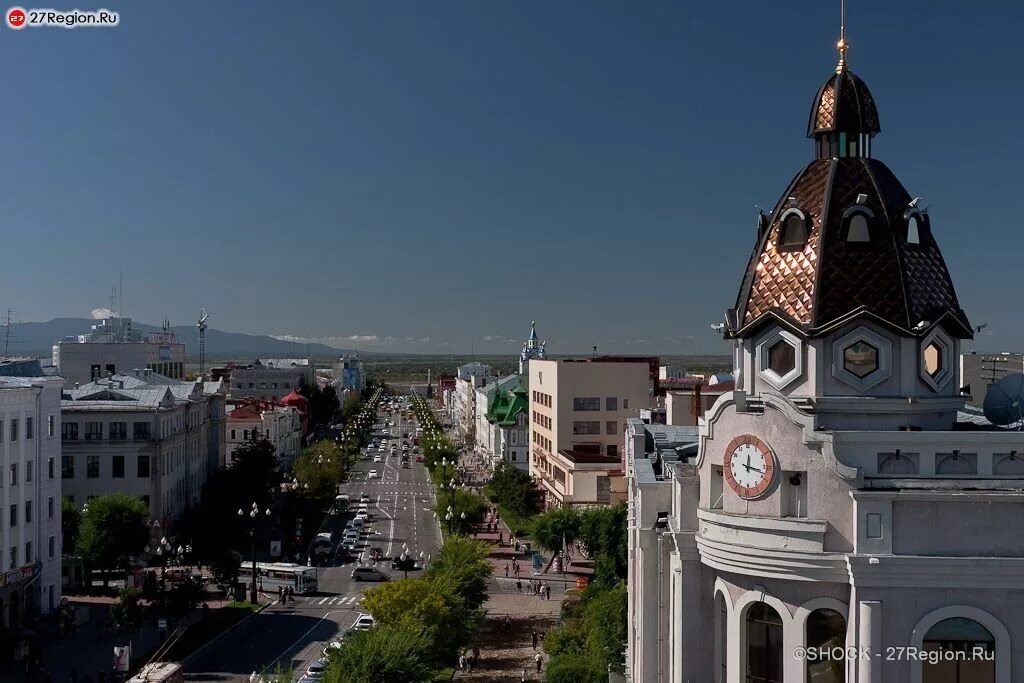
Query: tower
(532, 348)
(203, 315)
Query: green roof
(506, 407)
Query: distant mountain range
(37, 339)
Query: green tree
(602, 533)
(555, 526)
(225, 568)
(474, 507)
(70, 524)
(319, 468)
(461, 568)
(604, 620)
(126, 612)
(514, 489)
(383, 653)
(183, 599)
(443, 617)
(575, 667)
(113, 529)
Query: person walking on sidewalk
(547, 589)
(533, 637)
(506, 571)
(519, 584)
(538, 658)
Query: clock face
(749, 466)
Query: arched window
(764, 644)
(722, 612)
(976, 662)
(826, 630)
(857, 229)
(913, 231)
(793, 232)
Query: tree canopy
(514, 489)
(384, 653)
(113, 529)
(70, 524)
(555, 526)
(319, 468)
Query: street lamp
(162, 551)
(254, 516)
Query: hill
(37, 339)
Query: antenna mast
(842, 37)
(7, 333)
(203, 315)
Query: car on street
(364, 622)
(407, 566)
(372, 474)
(368, 574)
(316, 669)
(363, 498)
(377, 458)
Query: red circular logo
(16, 18)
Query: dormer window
(792, 230)
(916, 226)
(857, 224)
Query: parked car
(368, 574)
(377, 458)
(372, 474)
(316, 669)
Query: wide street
(293, 635)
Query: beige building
(577, 412)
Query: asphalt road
(293, 635)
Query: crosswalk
(316, 600)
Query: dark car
(407, 566)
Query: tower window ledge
(985, 485)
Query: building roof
(21, 367)
(824, 281)
(589, 458)
(507, 406)
(283, 362)
(115, 399)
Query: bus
(273, 575)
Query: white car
(316, 669)
(363, 623)
(372, 474)
(377, 458)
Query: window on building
(50, 505)
(586, 427)
(51, 467)
(263, 385)
(913, 231)
(117, 466)
(233, 435)
(793, 233)
(118, 431)
(245, 434)
(13, 557)
(12, 515)
(92, 467)
(29, 471)
(28, 512)
(933, 359)
(611, 403)
(51, 425)
(857, 229)
(51, 548)
(140, 431)
(825, 630)
(250, 385)
(30, 428)
(69, 431)
(143, 466)
(286, 385)
(611, 427)
(764, 644)
(238, 385)
(625, 404)
(14, 429)
(28, 552)
(968, 652)
(273, 385)
(1, 431)
(612, 450)
(781, 357)
(12, 479)
(93, 431)
(582, 404)
(860, 359)
(67, 467)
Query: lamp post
(254, 516)
(163, 551)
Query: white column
(870, 636)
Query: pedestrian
(517, 546)
(500, 538)
(548, 589)
(476, 653)
(524, 675)
(280, 594)
(538, 658)
(519, 583)
(507, 622)
(533, 637)
(506, 571)
(462, 662)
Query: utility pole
(991, 367)
(7, 333)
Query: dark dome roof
(843, 105)
(827, 281)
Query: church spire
(842, 44)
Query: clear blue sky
(434, 173)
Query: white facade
(30, 498)
(146, 436)
(349, 374)
(281, 425)
(269, 379)
(487, 434)
(468, 379)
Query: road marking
(322, 601)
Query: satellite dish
(1004, 402)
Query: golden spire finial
(842, 45)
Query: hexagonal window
(933, 359)
(781, 358)
(860, 359)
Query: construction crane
(203, 315)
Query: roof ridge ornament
(842, 45)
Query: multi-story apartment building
(577, 412)
(349, 374)
(281, 425)
(270, 379)
(113, 346)
(468, 379)
(142, 435)
(485, 433)
(30, 497)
